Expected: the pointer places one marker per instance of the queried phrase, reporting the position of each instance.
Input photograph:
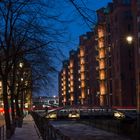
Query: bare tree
(88, 15)
(27, 30)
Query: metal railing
(47, 131)
(2, 135)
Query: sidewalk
(28, 130)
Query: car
(74, 114)
(52, 115)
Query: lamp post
(129, 40)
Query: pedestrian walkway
(28, 131)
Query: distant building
(64, 88)
(73, 78)
(41, 102)
(78, 73)
(87, 71)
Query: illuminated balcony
(100, 32)
(82, 84)
(71, 71)
(82, 69)
(82, 61)
(82, 53)
(82, 76)
(102, 64)
(102, 75)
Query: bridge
(90, 123)
(88, 113)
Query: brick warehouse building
(73, 78)
(77, 79)
(116, 78)
(63, 85)
(87, 70)
(124, 93)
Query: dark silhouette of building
(136, 42)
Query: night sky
(74, 29)
(78, 26)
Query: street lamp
(21, 79)
(20, 64)
(129, 39)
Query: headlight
(51, 116)
(75, 115)
(119, 115)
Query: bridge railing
(2, 131)
(47, 131)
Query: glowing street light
(129, 39)
(20, 65)
(21, 79)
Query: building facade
(124, 93)
(64, 89)
(136, 22)
(108, 63)
(73, 78)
